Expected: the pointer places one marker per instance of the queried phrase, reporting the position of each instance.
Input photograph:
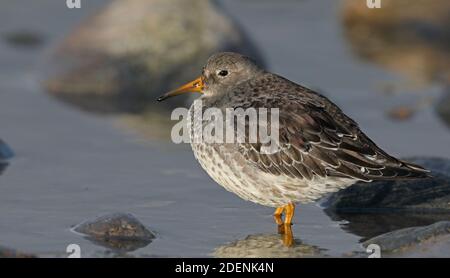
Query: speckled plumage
(322, 149)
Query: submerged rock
(12, 253)
(429, 194)
(266, 246)
(132, 51)
(24, 38)
(432, 240)
(5, 154)
(5, 151)
(117, 231)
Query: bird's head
(221, 72)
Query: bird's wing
(317, 138)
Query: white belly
(237, 175)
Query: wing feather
(317, 138)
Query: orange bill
(195, 86)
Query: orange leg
(289, 214)
(290, 209)
(278, 214)
(285, 228)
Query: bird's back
(316, 137)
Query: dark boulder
(367, 225)
(419, 195)
(426, 241)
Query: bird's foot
(277, 215)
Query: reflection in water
(285, 230)
(119, 246)
(153, 123)
(368, 225)
(3, 166)
(411, 37)
(282, 244)
(267, 246)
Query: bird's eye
(223, 73)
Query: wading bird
(322, 150)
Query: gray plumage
(322, 149)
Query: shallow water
(70, 166)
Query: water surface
(70, 166)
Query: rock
(117, 231)
(443, 107)
(424, 195)
(266, 246)
(11, 253)
(371, 224)
(5, 154)
(401, 113)
(115, 225)
(5, 151)
(415, 240)
(24, 38)
(410, 37)
(132, 51)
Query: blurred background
(82, 135)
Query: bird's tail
(418, 170)
(408, 170)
